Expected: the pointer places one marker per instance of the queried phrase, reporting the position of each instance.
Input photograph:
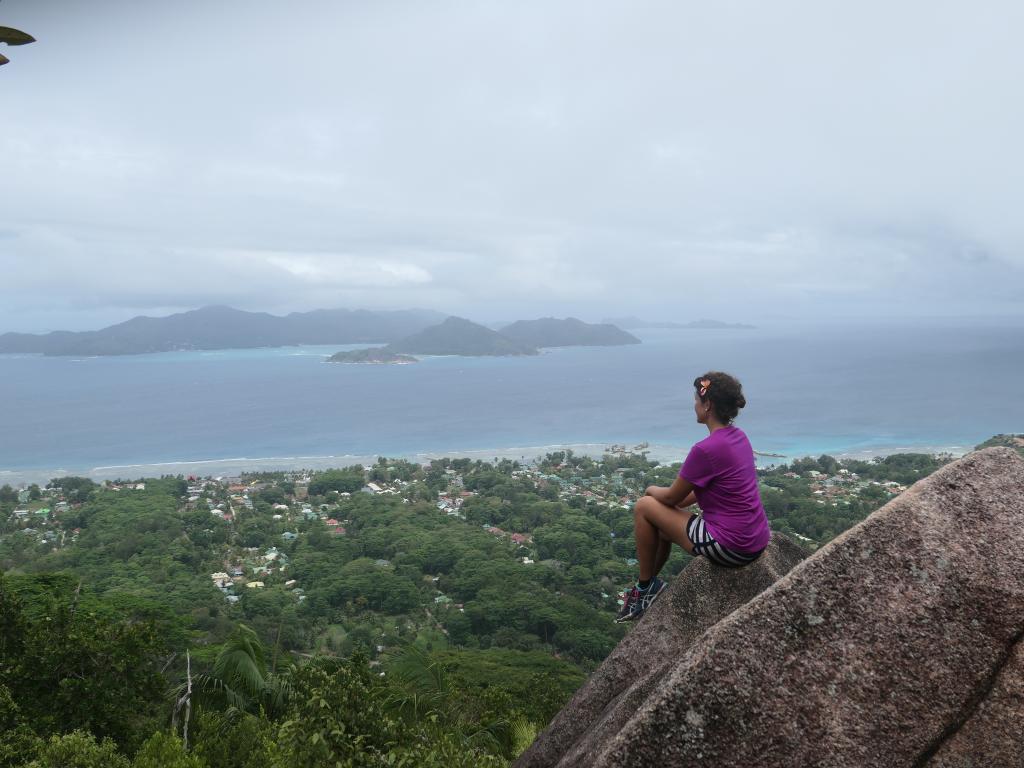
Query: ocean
(848, 390)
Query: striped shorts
(704, 544)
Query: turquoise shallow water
(809, 389)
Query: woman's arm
(679, 494)
(689, 501)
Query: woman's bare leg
(664, 550)
(653, 521)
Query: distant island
(372, 356)
(458, 336)
(219, 327)
(635, 323)
(409, 332)
(570, 332)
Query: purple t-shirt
(721, 468)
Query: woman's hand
(679, 493)
(656, 491)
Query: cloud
(341, 269)
(537, 158)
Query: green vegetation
(12, 36)
(376, 355)
(390, 615)
(1010, 441)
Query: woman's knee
(643, 505)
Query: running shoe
(636, 600)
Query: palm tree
(239, 682)
(423, 691)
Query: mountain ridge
(222, 327)
(459, 336)
(570, 332)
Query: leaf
(15, 37)
(3, 60)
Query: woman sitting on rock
(719, 476)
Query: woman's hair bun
(725, 393)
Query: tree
(79, 749)
(77, 662)
(17, 741)
(343, 481)
(13, 37)
(76, 489)
(231, 742)
(165, 750)
(239, 681)
(339, 715)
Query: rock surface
(899, 643)
(994, 734)
(701, 596)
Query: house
(255, 585)
(289, 536)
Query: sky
(743, 161)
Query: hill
(220, 327)
(570, 332)
(458, 336)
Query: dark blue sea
(845, 390)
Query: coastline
(663, 453)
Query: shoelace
(649, 595)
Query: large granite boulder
(698, 598)
(896, 644)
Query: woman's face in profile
(698, 409)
